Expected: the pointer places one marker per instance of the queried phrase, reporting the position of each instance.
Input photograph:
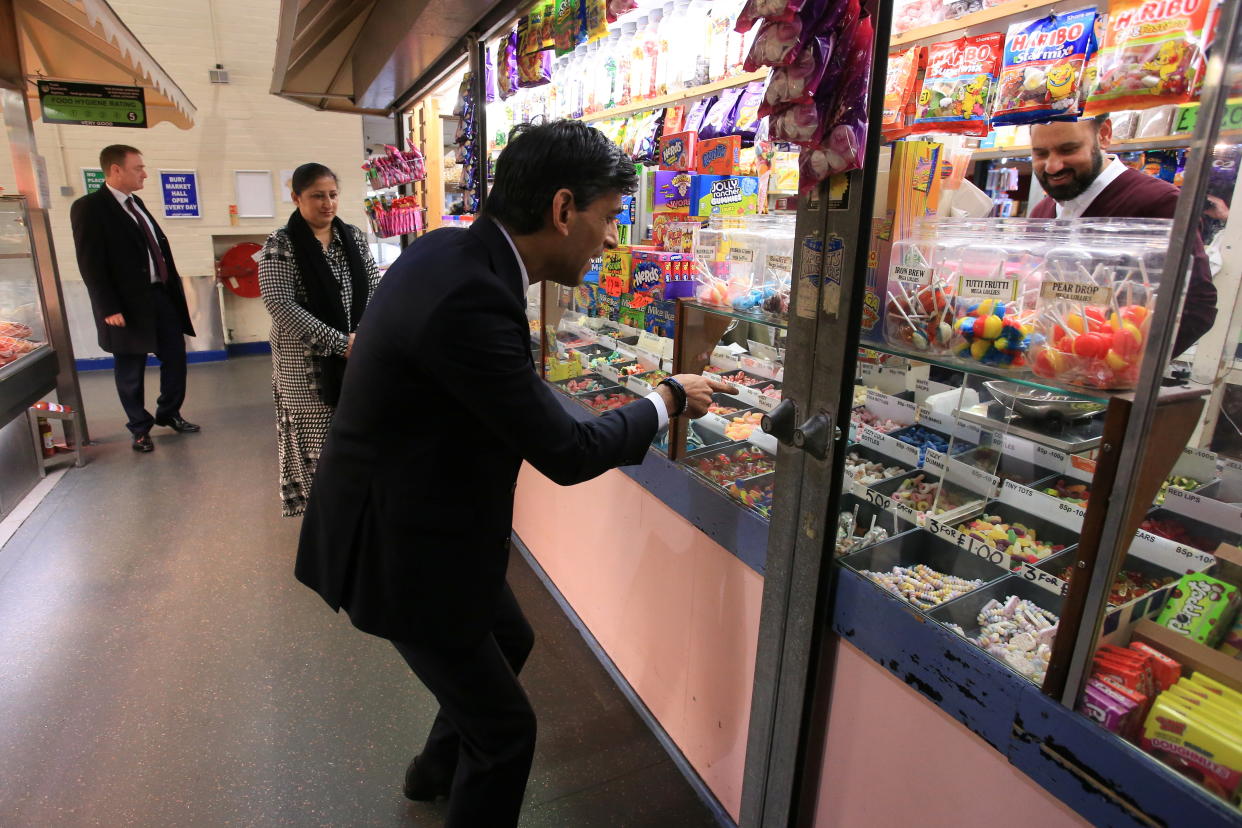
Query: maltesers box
(677, 151)
(725, 195)
(671, 191)
(720, 156)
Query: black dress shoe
(143, 443)
(177, 424)
(421, 786)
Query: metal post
(1226, 51)
(478, 88)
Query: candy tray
(885, 519)
(1054, 567)
(1082, 435)
(1008, 468)
(886, 488)
(956, 444)
(871, 455)
(1212, 536)
(921, 547)
(1045, 530)
(608, 385)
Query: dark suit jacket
(410, 514)
(113, 260)
(1141, 196)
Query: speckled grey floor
(159, 665)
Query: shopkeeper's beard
(1079, 182)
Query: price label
(763, 351)
(904, 453)
(741, 255)
(1197, 464)
(1083, 292)
(760, 367)
(609, 373)
(639, 387)
(974, 287)
(652, 343)
(876, 498)
(650, 359)
(912, 274)
(1170, 555)
(1227, 516)
(607, 341)
(904, 511)
(725, 364)
(766, 403)
(761, 439)
(1041, 505)
(780, 265)
(1043, 579)
(909, 406)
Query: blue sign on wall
(180, 189)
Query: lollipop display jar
(745, 263)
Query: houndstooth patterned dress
(299, 340)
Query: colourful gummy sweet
(728, 466)
(1176, 532)
(1187, 483)
(1076, 493)
(1128, 584)
(607, 402)
(583, 386)
(722, 410)
(758, 498)
(1017, 540)
(740, 427)
(741, 378)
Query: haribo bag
(1043, 69)
(1151, 55)
(957, 87)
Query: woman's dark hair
(308, 174)
(561, 155)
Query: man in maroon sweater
(1082, 181)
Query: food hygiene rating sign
(92, 104)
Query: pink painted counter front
(679, 616)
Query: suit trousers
(130, 369)
(483, 737)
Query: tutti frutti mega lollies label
(1043, 69)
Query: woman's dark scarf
(323, 293)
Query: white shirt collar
(1075, 207)
(120, 196)
(516, 255)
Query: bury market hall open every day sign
(92, 104)
(180, 192)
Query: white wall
(239, 125)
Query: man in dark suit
(136, 294)
(409, 532)
(1070, 161)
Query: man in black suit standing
(136, 294)
(409, 532)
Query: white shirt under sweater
(1075, 207)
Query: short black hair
(115, 154)
(542, 159)
(307, 174)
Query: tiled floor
(161, 667)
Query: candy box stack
(661, 273)
(1197, 730)
(670, 200)
(724, 195)
(615, 271)
(677, 151)
(720, 156)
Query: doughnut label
(1087, 293)
(978, 287)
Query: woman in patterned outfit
(316, 275)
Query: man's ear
(562, 207)
(1106, 133)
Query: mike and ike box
(725, 195)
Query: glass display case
(22, 334)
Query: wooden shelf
(684, 96)
(1011, 9)
(1123, 145)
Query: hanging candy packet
(1151, 55)
(1043, 68)
(565, 26)
(746, 116)
(776, 44)
(547, 24)
(694, 121)
(534, 64)
(957, 87)
(718, 119)
(616, 8)
(899, 83)
(797, 82)
(506, 66)
(766, 9)
(844, 136)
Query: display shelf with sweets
(675, 99)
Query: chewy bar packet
(1126, 673)
(1165, 670)
(1201, 608)
(1043, 66)
(1110, 709)
(1152, 54)
(1231, 644)
(1141, 702)
(957, 87)
(1182, 740)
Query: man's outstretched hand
(699, 390)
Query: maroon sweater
(1133, 194)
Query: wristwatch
(679, 396)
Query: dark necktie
(157, 255)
